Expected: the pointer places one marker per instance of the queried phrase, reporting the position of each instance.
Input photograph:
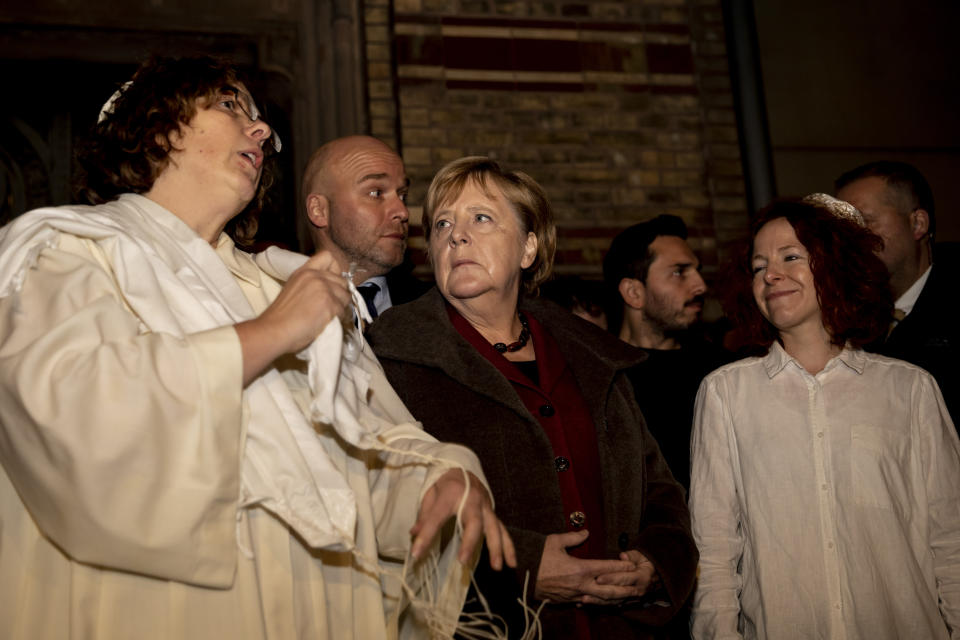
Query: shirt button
(562, 463)
(820, 434)
(623, 540)
(578, 519)
(546, 411)
(829, 545)
(824, 487)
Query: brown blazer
(460, 397)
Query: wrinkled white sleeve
(123, 445)
(940, 456)
(396, 505)
(715, 514)
(398, 475)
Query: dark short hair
(905, 179)
(852, 283)
(571, 292)
(129, 147)
(527, 199)
(630, 256)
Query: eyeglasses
(244, 102)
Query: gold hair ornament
(839, 208)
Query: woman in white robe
(169, 469)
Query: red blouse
(558, 405)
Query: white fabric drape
(315, 477)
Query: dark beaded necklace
(521, 341)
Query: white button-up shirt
(827, 505)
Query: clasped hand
(565, 578)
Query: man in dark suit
(897, 204)
(355, 190)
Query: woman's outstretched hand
(479, 522)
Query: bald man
(355, 191)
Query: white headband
(107, 107)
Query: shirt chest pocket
(879, 467)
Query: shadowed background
(622, 110)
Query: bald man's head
(354, 191)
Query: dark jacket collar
(926, 301)
(421, 333)
(927, 313)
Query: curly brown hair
(852, 283)
(130, 146)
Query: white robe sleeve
(715, 515)
(422, 457)
(123, 445)
(395, 505)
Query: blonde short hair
(527, 199)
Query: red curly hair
(853, 285)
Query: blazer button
(623, 540)
(562, 463)
(546, 411)
(578, 519)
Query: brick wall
(621, 110)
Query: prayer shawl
(176, 284)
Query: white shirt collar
(777, 359)
(382, 300)
(909, 298)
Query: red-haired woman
(825, 488)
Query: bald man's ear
(318, 210)
(633, 292)
(919, 223)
